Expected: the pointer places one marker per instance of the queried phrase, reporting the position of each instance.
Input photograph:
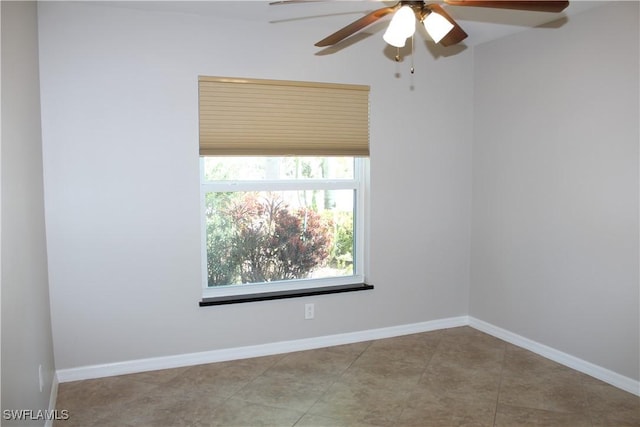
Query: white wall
(556, 184)
(26, 326)
(120, 136)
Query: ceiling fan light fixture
(395, 39)
(401, 27)
(437, 26)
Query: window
(281, 223)
(282, 171)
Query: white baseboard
(190, 359)
(603, 374)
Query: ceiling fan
(440, 26)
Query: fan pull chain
(412, 69)
(397, 58)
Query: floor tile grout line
(589, 411)
(431, 356)
(424, 370)
(306, 412)
(504, 361)
(337, 378)
(234, 394)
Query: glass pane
(257, 237)
(276, 168)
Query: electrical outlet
(309, 311)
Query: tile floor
(452, 377)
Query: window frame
(251, 292)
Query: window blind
(281, 118)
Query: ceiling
(481, 24)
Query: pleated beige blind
(281, 118)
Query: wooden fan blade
(308, 1)
(532, 5)
(355, 26)
(456, 35)
(294, 1)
